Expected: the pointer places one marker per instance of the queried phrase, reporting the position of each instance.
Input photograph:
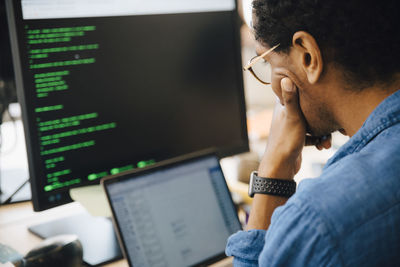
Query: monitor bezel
(40, 202)
(166, 164)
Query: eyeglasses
(260, 71)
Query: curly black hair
(363, 37)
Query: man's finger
(319, 142)
(289, 95)
(326, 141)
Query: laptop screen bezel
(171, 163)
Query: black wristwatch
(269, 186)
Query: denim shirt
(349, 216)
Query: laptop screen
(179, 215)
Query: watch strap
(272, 186)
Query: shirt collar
(386, 114)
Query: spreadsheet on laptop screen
(176, 216)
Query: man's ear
(308, 55)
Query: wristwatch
(270, 186)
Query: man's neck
(355, 107)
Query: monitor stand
(100, 244)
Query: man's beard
(325, 126)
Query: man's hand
(282, 158)
(286, 140)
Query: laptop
(175, 213)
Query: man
(335, 67)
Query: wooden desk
(16, 218)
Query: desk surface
(16, 218)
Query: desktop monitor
(109, 86)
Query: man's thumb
(289, 94)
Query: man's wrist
(277, 167)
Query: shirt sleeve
(245, 247)
(299, 236)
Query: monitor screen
(175, 215)
(109, 86)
